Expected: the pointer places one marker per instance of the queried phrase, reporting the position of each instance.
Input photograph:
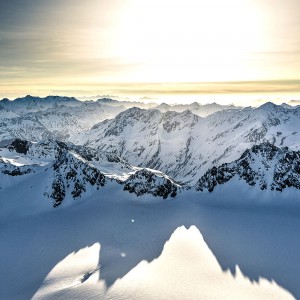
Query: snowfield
(124, 247)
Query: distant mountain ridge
(202, 110)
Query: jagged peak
(147, 181)
(5, 100)
(269, 106)
(136, 112)
(195, 104)
(49, 98)
(164, 105)
(275, 168)
(185, 113)
(107, 100)
(286, 105)
(266, 145)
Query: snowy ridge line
(76, 171)
(264, 165)
(185, 145)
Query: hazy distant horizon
(237, 100)
(225, 51)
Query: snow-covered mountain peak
(271, 107)
(71, 171)
(146, 181)
(264, 165)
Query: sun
(187, 41)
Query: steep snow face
(6, 113)
(147, 138)
(196, 108)
(264, 165)
(75, 171)
(74, 120)
(184, 145)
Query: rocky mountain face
(184, 145)
(265, 166)
(75, 171)
(152, 182)
(72, 174)
(80, 148)
(148, 138)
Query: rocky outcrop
(264, 165)
(146, 181)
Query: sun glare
(194, 40)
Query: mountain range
(77, 148)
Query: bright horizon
(242, 52)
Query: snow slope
(112, 247)
(71, 172)
(194, 267)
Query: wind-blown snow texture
(86, 181)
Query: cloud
(247, 87)
(148, 98)
(294, 102)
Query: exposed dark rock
(19, 146)
(254, 167)
(146, 181)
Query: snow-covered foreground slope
(196, 269)
(131, 248)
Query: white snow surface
(90, 248)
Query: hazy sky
(150, 48)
